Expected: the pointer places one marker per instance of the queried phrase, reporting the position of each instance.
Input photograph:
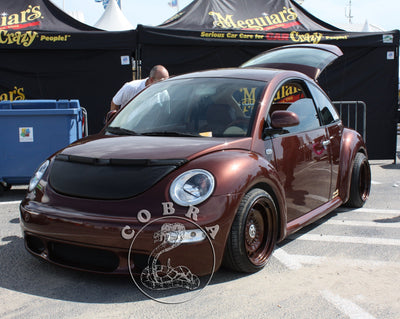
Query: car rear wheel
(360, 182)
(253, 234)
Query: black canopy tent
(46, 54)
(225, 33)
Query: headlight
(38, 175)
(192, 187)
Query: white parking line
(346, 306)
(348, 239)
(369, 210)
(360, 223)
(317, 260)
(295, 262)
(288, 260)
(11, 202)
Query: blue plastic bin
(32, 130)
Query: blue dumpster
(32, 130)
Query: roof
(258, 74)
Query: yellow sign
(248, 100)
(265, 22)
(55, 38)
(288, 94)
(14, 95)
(18, 37)
(306, 37)
(26, 18)
(27, 38)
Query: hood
(119, 167)
(151, 147)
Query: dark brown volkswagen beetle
(232, 159)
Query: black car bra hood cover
(107, 178)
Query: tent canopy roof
(38, 15)
(261, 15)
(39, 24)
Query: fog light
(35, 244)
(189, 236)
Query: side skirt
(312, 216)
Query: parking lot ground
(346, 265)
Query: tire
(4, 187)
(360, 184)
(253, 234)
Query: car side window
(294, 97)
(326, 109)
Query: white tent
(113, 19)
(359, 27)
(77, 15)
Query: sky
(382, 13)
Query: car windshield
(208, 107)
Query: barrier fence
(353, 115)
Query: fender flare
(351, 144)
(238, 171)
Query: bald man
(130, 89)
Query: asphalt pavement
(346, 265)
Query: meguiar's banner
(225, 33)
(46, 54)
(257, 15)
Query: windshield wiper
(120, 131)
(169, 133)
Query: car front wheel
(253, 234)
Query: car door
(333, 125)
(301, 157)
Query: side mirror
(281, 119)
(110, 115)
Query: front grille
(107, 178)
(92, 259)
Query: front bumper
(120, 245)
